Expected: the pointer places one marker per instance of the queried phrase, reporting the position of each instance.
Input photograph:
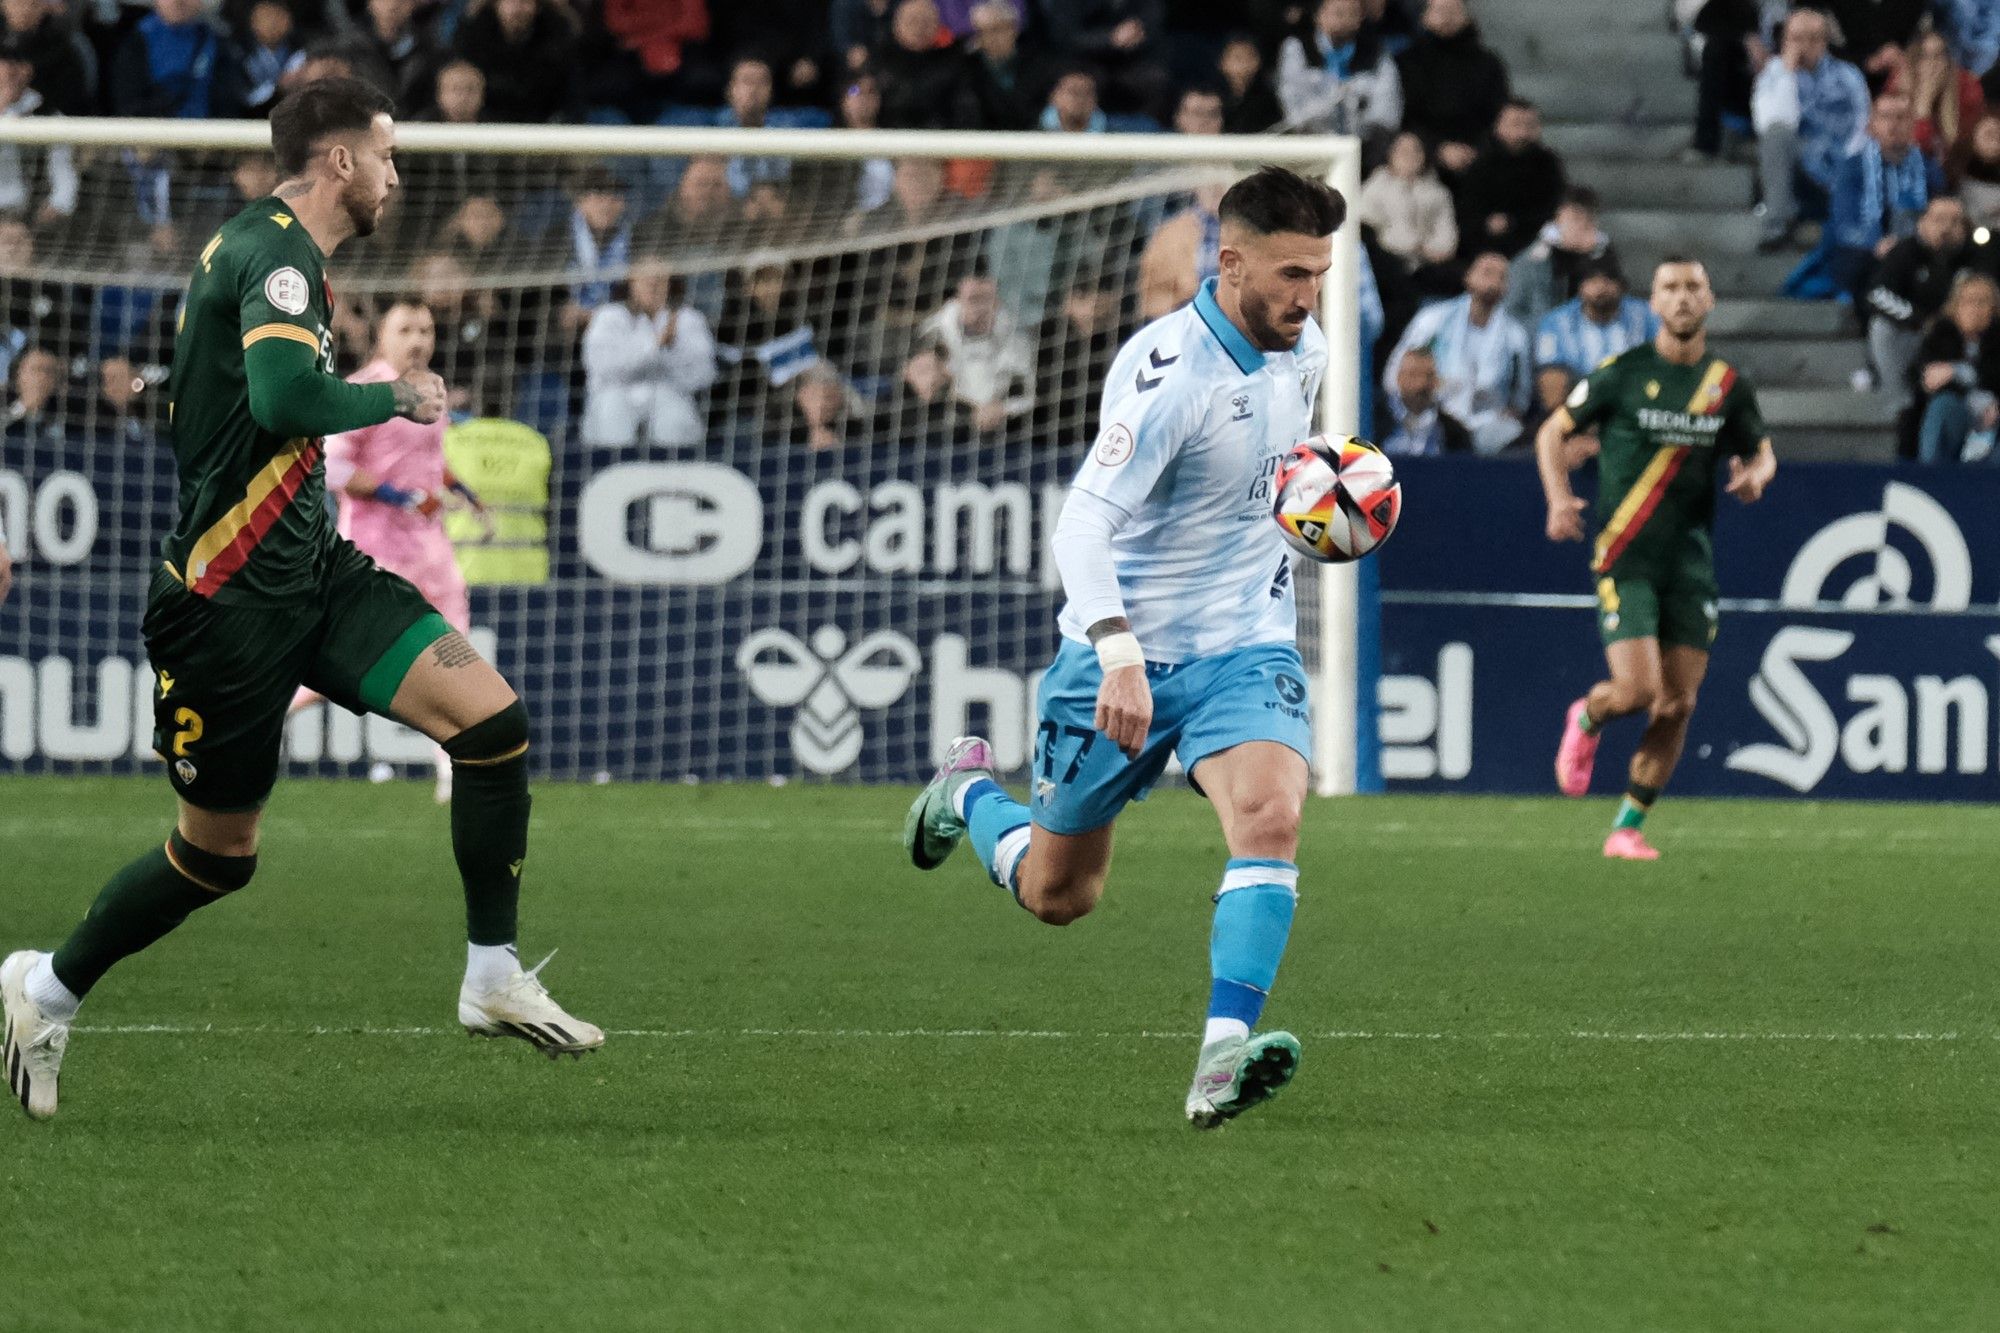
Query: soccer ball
(1338, 498)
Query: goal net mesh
(773, 446)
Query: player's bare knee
(1266, 825)
(1059, 902)
(1634, 696)
(1673, 708)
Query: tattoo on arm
(452, 652)
(406, 396)
(1108, 625)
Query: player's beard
(365, 216)
(1265, 331)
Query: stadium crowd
(638, 302)
(1870, 118)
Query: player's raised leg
(1259, 790)
(450, 693)
(1632, 686)
(1682, 670)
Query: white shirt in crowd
(637, 391)
(997, 366)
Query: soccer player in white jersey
(1179, 633)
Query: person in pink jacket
(394, 485)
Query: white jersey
(1194, 421)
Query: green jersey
(254, 522)
(1663, 428)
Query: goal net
(773, 425)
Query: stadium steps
(1608, 76)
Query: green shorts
(1678, 610)
(227, 675)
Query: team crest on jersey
(1652, 388)
(1115, 445)
(287, 290)
(185, 771)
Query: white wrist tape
(1120, 650)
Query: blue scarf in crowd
(180, 61)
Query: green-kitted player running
(255, 595)
(1666, 413)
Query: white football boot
(521, 1007)
(33, 1049)
(1237, 1073)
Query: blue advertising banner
(1859, 654)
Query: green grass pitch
(1751, 1087)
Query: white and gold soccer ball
(1337, 498)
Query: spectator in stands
(1072, 107)
(1809, 109)
(646, 358)
(35, 309)
(260, 61)
(921, 70)
(1453, 87)
(1337, 79)
(1423, 429)
(1729, 31)
(1908, 289)
(526, 50)
(789, 36)
(40, 183)
(1874, 33)
(844, 185)
(992, 366)
(702, 211)
(477, 233)
(342, 58)
(119, 411)
(473, 332)
(252, 176)
(167, 63)
(1248, 104)
(1482, 354)
(1974, 171)
(922, 412)
(1973, 28)
(1580, 335)
(1956, 375)
(1547, 272)
(1199, 111)
(600, 235)
(1074, 349)
(1946, 100)
(1512, 187)
(458, 96)
(822, 411)
(1182, 252)
(1878, 194)
(390, 31)
(749, 98)
(766, 339)
(1123, 42)
(1409, 208)
(1000, 78)
(39, 33)
(860, 28)
(34, 416)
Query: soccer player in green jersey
(256, 595)
(1666, 414)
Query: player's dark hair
(307, 116)
(1272, 199)
(1679, 257)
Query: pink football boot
(1629, 844)
(1576, 754)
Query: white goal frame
(1334, 158)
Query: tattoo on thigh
(453, 651)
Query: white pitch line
(1037, 1034)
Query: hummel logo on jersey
(282, 219)
(1241, 402)
(515, 866)
(166, 684)
(1159, 363)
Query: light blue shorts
(1200, 708)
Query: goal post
(644, 607)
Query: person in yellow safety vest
(507, 464)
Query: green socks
(1638, 800)
(489, 821)
(143, 903)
